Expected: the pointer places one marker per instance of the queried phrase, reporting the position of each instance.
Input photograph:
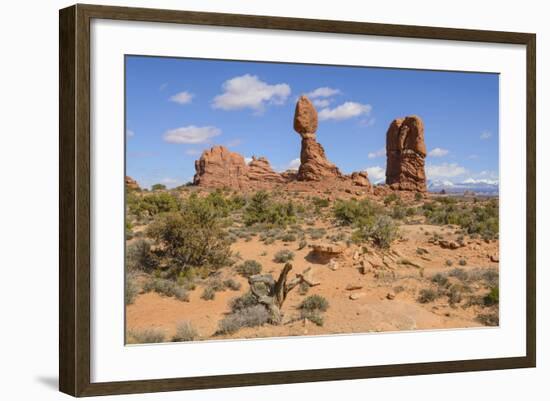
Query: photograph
(274, 199)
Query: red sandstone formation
(406, 151)
(131, 184)
(219, 167)
(361, 179)
(260, 170)
(314, 163)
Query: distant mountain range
(478, 187)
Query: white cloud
(445, 170)
(129, 133)
(191, 134)
(324, 91)
(248, 91)
(485, 135)
(321, 102)
(247, 160)
(345, 111)
(193, 152)
(376, 174)
(438, 152)
(294, 164)
(480, 181)
(182, 97)
(379, 153)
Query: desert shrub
(152, 204)
(185, 332)
(462, 262)
(208, 294)
(303, 288)
(418, 196)
(478, 219)
(459, 273)
(158, 187)
(249, 268)
(288, 237)
(131, 289)
(448, 262)
(391, 198)
(316, 233)
(146, 336)
(192, 237)
(488, 319)
(166, 287)
(354, 212)
(244, 301)
(302, 244)
(232, 284)
(427, 295)
(440, 279)
(283, 256)
(314, 302)
(399, 212)
(492, 297)
(252, 316)
(382, 231)
(320, 203)
(488, 275)
(313, 316)
(262, 209)
(140, 257)
(455, 294)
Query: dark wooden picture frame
(74, 202)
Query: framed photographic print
(250, 200)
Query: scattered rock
(353, 287)
(405, 153)
(449, 244)
(356, 255)
(356, 295)
(333, 265)
(390, 296)
(327, 250)
(494, 258)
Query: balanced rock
(219, 167)
(406, 151)
(314, 163)
(260, 170)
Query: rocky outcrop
(131, 184)
(314, 164)
(260, 170)
(219, 167)
(405, 152)
(361, 179)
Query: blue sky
(176, 108)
